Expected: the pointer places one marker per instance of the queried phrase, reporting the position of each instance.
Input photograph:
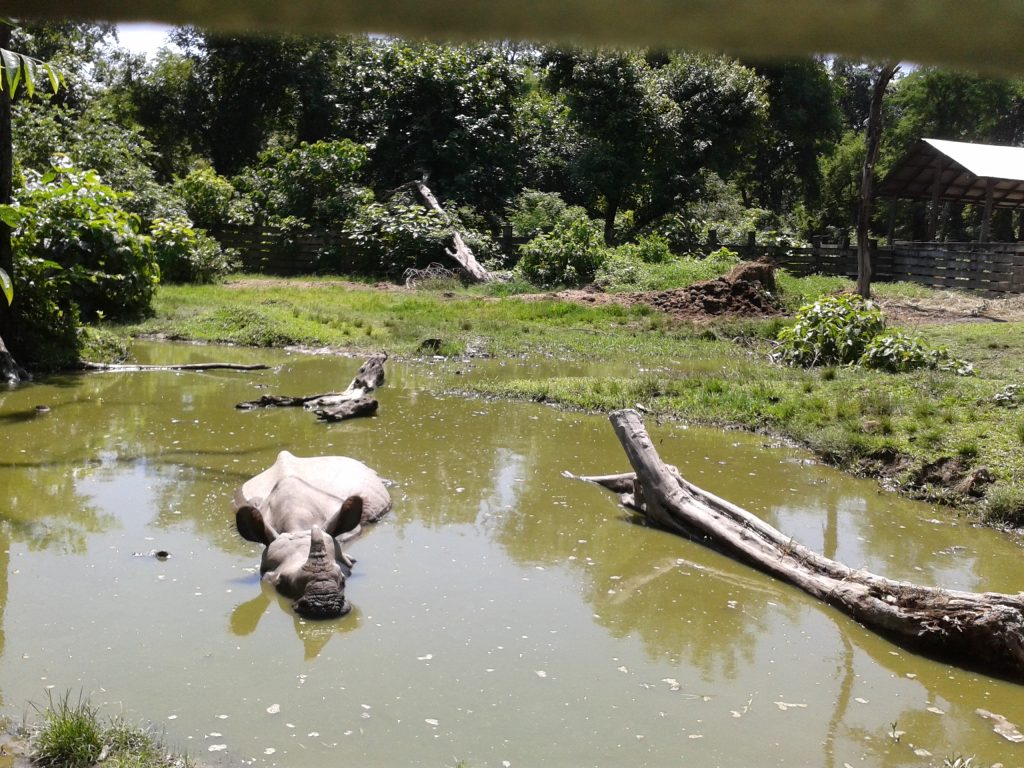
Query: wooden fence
(994, 268)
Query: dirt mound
(746, 291)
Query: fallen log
(975, 630)
(335, 406)
(132, 368)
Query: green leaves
(6, 287)
(17, 67)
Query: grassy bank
(71, 733)
(927, 433)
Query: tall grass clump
(71, 734)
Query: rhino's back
(339, 476)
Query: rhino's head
(307, 566)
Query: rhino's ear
(252, 526)
(348, 517)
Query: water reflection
(314, 635)
(523, 613)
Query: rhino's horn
(324, 597)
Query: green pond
(504, 615)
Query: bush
(209, 199)
(896, 353)
(45, 317)
(834, 330)
(533, 212)
(76, 221)
(568, 255)
(389, 239)
(317, 183)
(185, 254)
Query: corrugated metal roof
(960, 172)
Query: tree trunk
(335, 406)
(975, 630)
(874, 137)
(610, 212)
(10, 371)
(461, 252)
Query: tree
(15, 69)
(872, 140)
(803, 121)
(648, 124)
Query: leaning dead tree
(978, 630)
(460, 251)
(335, 406)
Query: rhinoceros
(302, 510)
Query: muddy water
(503, 615)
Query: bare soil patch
(952, 307)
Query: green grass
(71, 734)
(862, 420)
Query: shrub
(533, 212)
(389, 239)
(317, 183)
(832, 331)
(209, 198)
(76, 221)
(185, 254)
(624, 269)
(568, 255)
(45, 317)
(897, 353)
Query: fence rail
(994, 268)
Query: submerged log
(335, 406)
(131, 368)
(976, 630)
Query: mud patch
(747, 291)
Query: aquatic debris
(784, 705)
(273, 709)
(1002, 726)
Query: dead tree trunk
(461, 252)
(979, 630)
(335, 406)
(872, 142)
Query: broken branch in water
(131, 368)
(979, 630)
(335, 406)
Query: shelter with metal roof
(956, 171)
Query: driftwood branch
(461, 252)
(130, 368)
(335, 406)
(980, 630)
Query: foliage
(646, 128)
(445, 113)
(568, 255)
(1004, 505)
(834, 330)
(45, 332)
(72, 735)
(94, 138)
(73, 219)
(625, 270)
(532, 212)
(392, 238)
(897, 353)
(318, 184)
(185, 254)
(210, 200)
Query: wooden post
(986, 217)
